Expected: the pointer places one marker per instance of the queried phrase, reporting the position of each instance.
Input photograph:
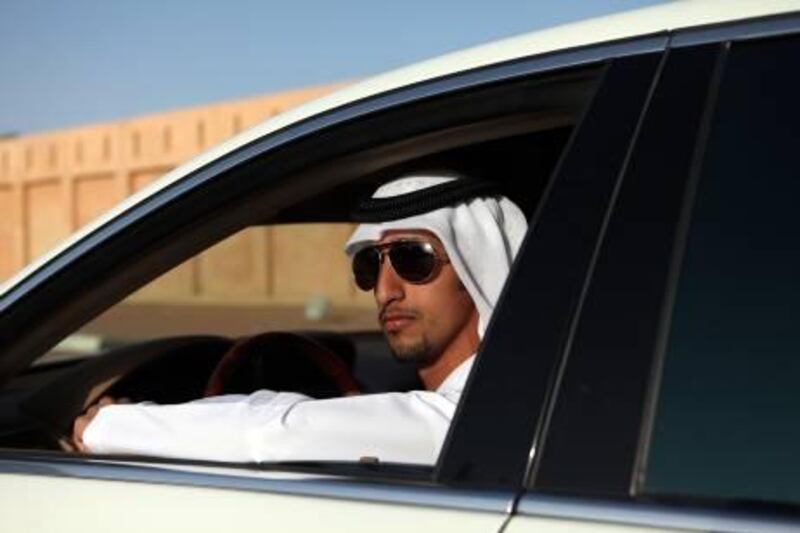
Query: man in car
(435, 251)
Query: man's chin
(417, 352)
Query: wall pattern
(53, 183)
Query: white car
(641, 370)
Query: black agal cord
(423, 200)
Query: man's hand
(83, 421)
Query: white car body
(131, 495)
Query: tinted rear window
(727, 418)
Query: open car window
(163, 342)
(271, 260)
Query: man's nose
(389, 285)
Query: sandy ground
(141, 321)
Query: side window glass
(726, 419)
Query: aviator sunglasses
(414, 261)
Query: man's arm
(271, 426)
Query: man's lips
(394, 321)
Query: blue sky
(67, 63)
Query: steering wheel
(166, 370)
(282, 361)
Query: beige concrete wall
(53, 183)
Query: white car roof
(664, 17)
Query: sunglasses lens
(366, 265)
(413, 261)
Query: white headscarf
(481, 238)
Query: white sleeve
(278, 426)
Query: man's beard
(418, 352)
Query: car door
(482, 466)
(676, 399)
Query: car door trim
(652, 515)
(771, 26)
(314, 485)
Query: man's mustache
(394, 311)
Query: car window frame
(39, 286)
(617, 504)
(518, 363)
(593, 396)
(771, 505)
